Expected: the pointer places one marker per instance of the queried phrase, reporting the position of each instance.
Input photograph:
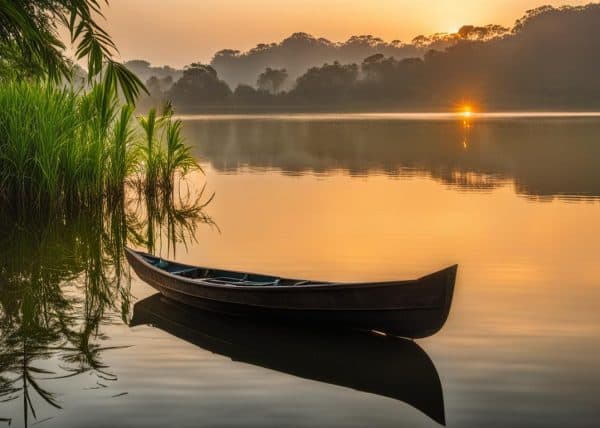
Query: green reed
(164, 152)
(37, 127)
(151, 151)
(178, 155)
(58, 146)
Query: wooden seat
(182, 271)
(237, 281)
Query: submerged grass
(60, 147)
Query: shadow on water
(64, 278)
(382, 365)
(542, 158)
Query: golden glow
(181, 31)
(466, 113)
(338, 227)
(335, 241)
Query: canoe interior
(220, 276)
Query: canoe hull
(413, 309)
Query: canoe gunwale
(139, 256)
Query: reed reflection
(541, 158)
(159, 222)
(368, 362)
(63, 279)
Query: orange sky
(178, 32)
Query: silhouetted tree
(244, 94)
(327, 84)
(144, 70)
(302, 51)
(157, 92)
(247, 95)
(158, 86)
(271, 79)
(546, 61)
(371, 66)
(488, 32)
(199, 85)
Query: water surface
(514, 200)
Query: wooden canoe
(414, 308)
(364, 361)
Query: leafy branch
(29, 28)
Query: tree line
(546, 61)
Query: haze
(180, 31)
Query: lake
(513, 199)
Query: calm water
(515, 201)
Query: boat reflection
(382, 365)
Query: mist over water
(542, 155)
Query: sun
(467, 111)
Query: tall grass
(61, 147)
(38, 130)
(151, 151)
(122, 155)
(178, 155)
(164, 152)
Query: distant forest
(548, 60)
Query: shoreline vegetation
(61, 147)
(80, 177)
(543, 62)
(70, 141)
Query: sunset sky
(177, 32)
